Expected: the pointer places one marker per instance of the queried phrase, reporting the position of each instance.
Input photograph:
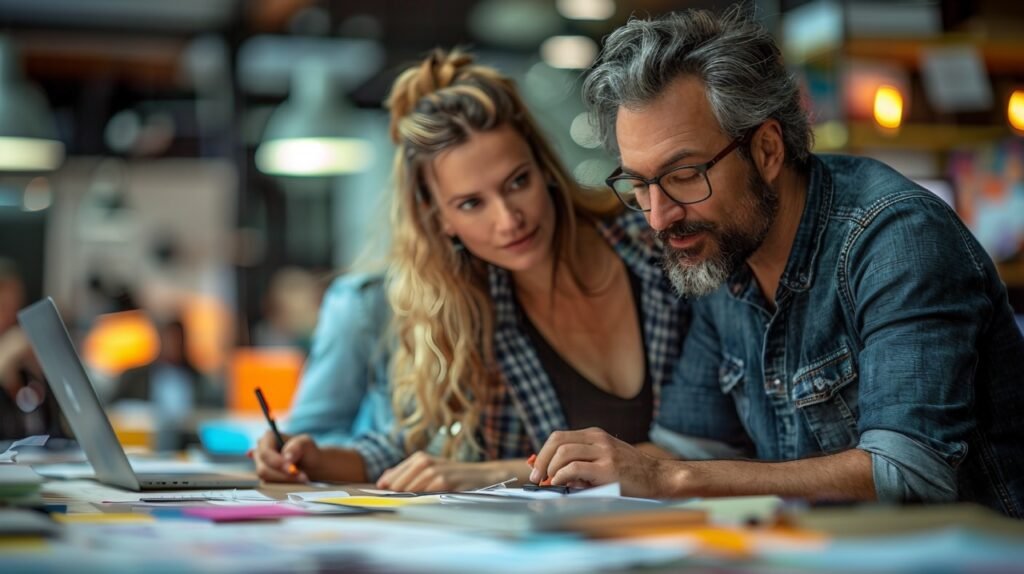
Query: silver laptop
(77, 399)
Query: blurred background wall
(218, 161)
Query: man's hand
(593, 457)
(300, 453)
(422, 472)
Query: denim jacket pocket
(823, 392)
(730, 378)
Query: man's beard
(735, 242)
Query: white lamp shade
(314, 156)
(311, 134)
(30, 154)
(28, 136)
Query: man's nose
(664, 211)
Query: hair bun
(437, 71)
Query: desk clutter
(84, 526)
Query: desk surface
(122, 538)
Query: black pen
(292, 469)
(559, 488)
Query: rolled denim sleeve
(907, 470)
(918, 295)
(343, 390)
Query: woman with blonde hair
(523, 304)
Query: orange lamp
(121, 341)
(888, 108)
(1015, 110)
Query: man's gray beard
(700, 279)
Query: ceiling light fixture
(311, 133)
(28, 134)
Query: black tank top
(586, 405)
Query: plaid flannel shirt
(521, 413)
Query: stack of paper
(595, 512)
(19, 485)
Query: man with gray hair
(849, 333)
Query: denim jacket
(343, 392)
(891, 333)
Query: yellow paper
(102, 517)
(379, 501)
(10, 544)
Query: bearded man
(850, 338)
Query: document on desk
(315, 495)
(312, 544)
(312, 501)
(586, 515)
(226, 497)
(427, 548)
(89, 491)
(381, 502)
(11, 454)
(243, 513)
(952, 549)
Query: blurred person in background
(289, 310)
(521, 304)
(26, 407)
(172, 385)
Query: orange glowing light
(888, 107)
(208, 325)
(275, 370)
(121, 341)
(1015, 110)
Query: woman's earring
(458, 247)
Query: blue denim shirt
(343, 392)
(891, 333)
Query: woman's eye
(469, 204)
(520, 181)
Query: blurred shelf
(1000, 56)
(918, 137)
(1012, 274)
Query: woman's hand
(422, 472)
(293, 463)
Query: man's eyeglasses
(684, 184)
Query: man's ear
(768, 150)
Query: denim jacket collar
(799, 272)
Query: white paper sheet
(314, 495)
(225, 497)
(11, 454)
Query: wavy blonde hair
(444, 367)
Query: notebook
(78, 401)
(591, 516)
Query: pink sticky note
(239, 513)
